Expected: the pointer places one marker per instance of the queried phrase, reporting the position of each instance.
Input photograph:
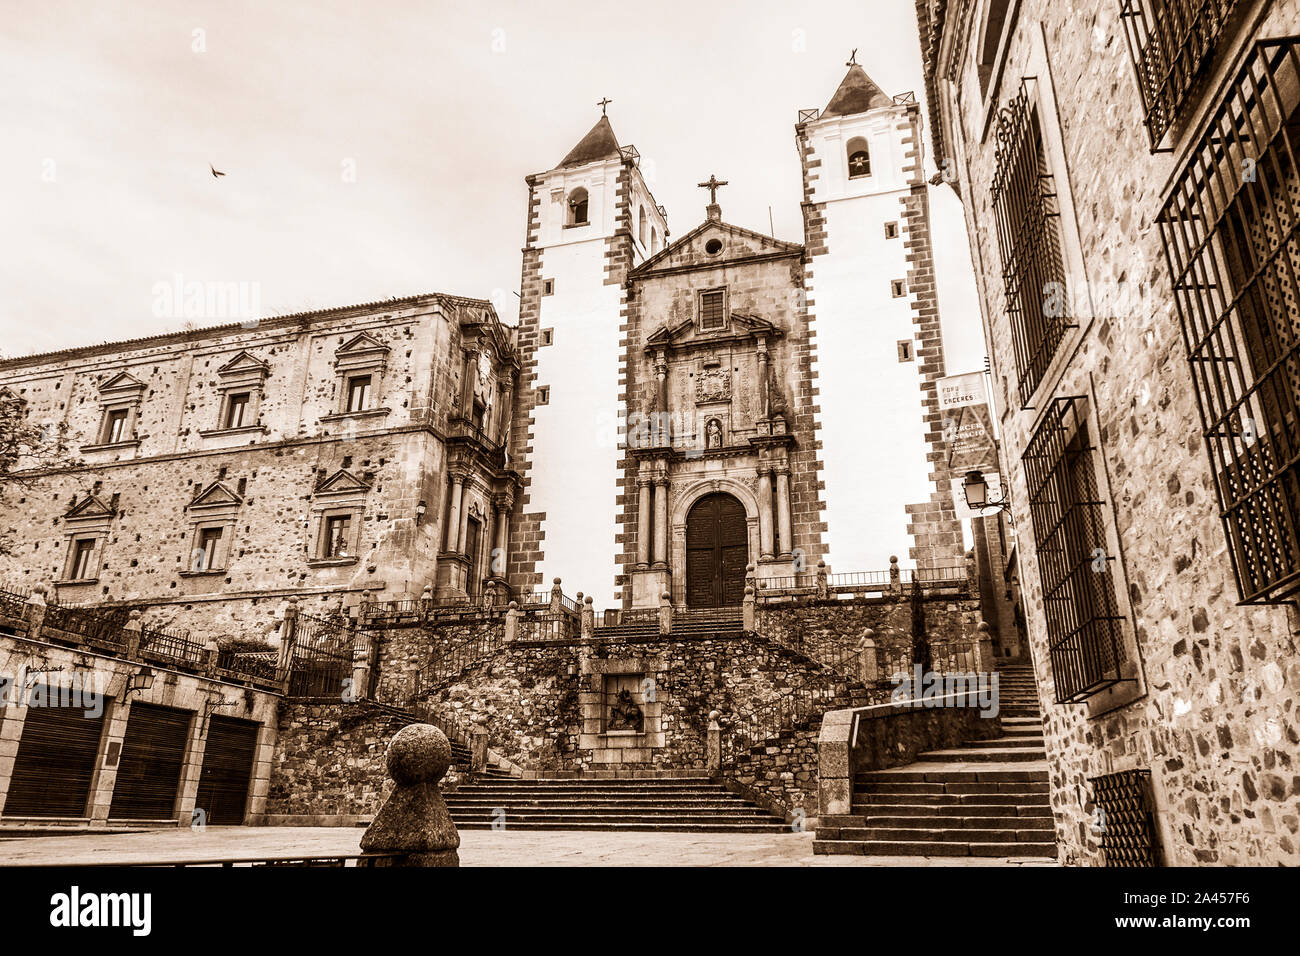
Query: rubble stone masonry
(1213, 710)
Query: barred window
(1083, 622)
(1229, 230)
(1125, 819)
(1170, 42)
(712, 310)
(1029, 240)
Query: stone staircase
(681, 803)
(984, 798)
(460, 759)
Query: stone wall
(1213, 707)
(328, 768)
(819, 625)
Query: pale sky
(111, 117)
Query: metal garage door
(55, 763)
(227, 769)
(150, 770)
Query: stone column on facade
(464, 532)
(661, 522)
(764, 367)
(497, 567)
(661, 399)
(785, 542)
(765, 547)
(453, 512)
(643, 519)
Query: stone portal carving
(713, 385)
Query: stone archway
(717, 551)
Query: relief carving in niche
(713, 385)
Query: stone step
(907, 848)
(1028, 808)
(1016, 740)
(983, 754)
(886, 802)
(629, 806)
(579, 814)
(946, 835)
(947, 822)
(634, 826)
(939, 775)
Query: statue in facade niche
(624, 714)
(713, 434)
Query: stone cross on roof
(712, 186)
(602, 103)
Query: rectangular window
(205, 550)
(358, 393)
(548, 287)
(1170, 41)
(83, 552)
(337, 530)
(712, 310)
(1230, 230)
(1085, 642)
(891, 230)
(476, 418)
(236, 410)
(115, 426)
(544, 395)
(905, 350)
(1029, 240)
(898, 288)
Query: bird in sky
(215, 172)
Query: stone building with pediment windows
(317, 455)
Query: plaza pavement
(477, 848)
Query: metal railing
(172, 644)
(101, 626)
(13, 603)
(545, 626)
(322, 657)
(450, 661)
(751, 726)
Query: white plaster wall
(873, 447)
(575, 436)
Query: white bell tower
(879, 349)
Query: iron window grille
(1229, 229)
(1085, 639)
(1170, 42)
(1029, 240)
(1125, 818)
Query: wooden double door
(717, 550)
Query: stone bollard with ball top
(413, 827)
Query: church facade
(653, 425)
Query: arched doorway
(717, 550)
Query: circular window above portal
(713, 246)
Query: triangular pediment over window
(243, 363)
(712, 243)
(216, 495)
(89, 507)
(121, 382)
(363, 344)
(342, 483)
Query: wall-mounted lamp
(976, 487)
(421, 509)
(140, 680)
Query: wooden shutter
(150, 772)
(227, 770)
(55, 763)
